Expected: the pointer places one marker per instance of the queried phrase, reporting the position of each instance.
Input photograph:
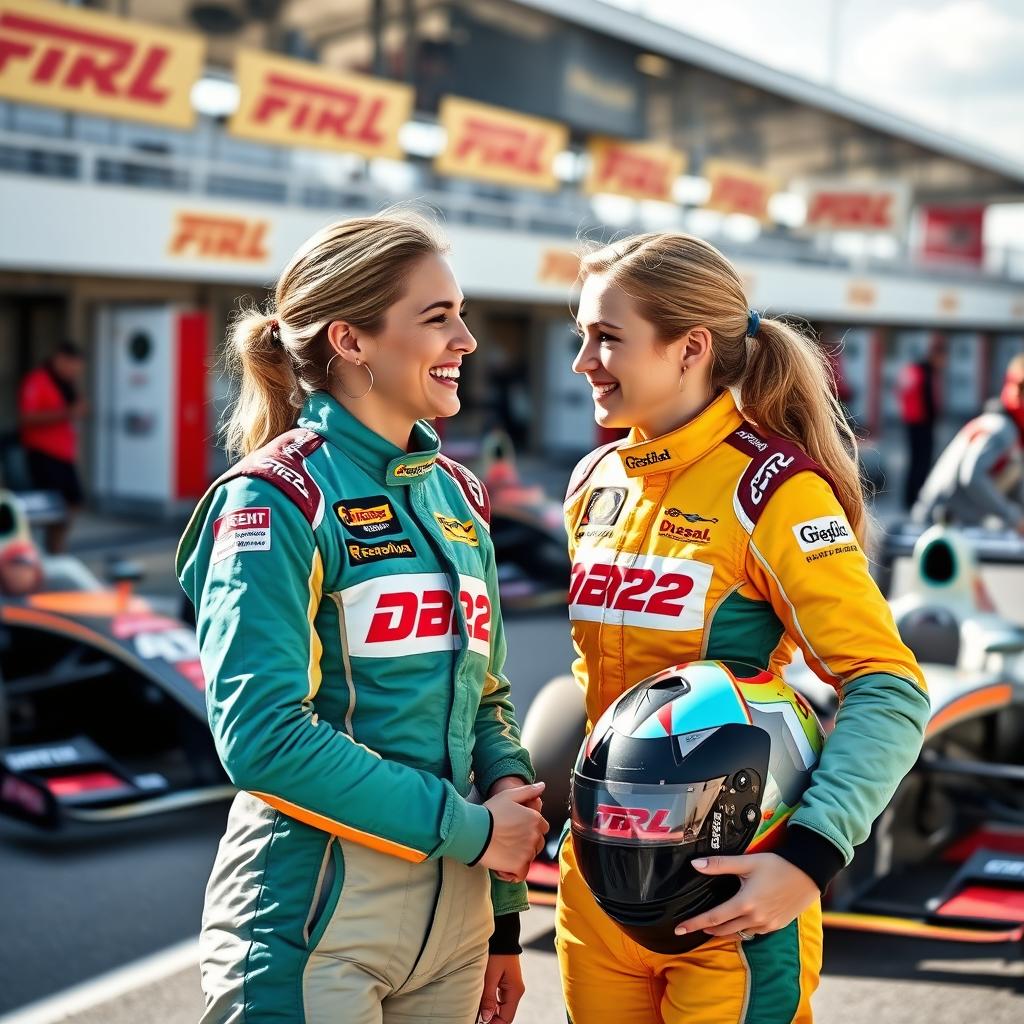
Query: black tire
(552, 733)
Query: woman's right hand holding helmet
(518, 833)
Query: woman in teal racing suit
(351, 640)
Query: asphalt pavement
(80, 908)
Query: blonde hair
(352, 270)
(785, 382)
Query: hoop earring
(682, 376)
(341, 384)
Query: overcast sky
(957, 65)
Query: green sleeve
(497, 749)
(255, 612)
(875, 742)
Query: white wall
(92, 229)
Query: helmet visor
(630, 814)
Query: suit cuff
(504, 940)
(468, 832)
(487, 841)
(817, 857)
(499, 769)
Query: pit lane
(77, 909)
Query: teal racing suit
(352, 645)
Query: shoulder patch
(472, 489)
(773, 460)
(282, 463)
(585, 468)
(243, 529)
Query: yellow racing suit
(719, 541)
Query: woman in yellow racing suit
(728, 524)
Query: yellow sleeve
(803, 557)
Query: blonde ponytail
(783, 379)
(788, 389)
(269, 398)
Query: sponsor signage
(861, 294)
(635, 169)
(839, 206)
(360, 553)
(244, 529)
(559, 266)
(632, 822)
(198, 235)
(690, 531)
(456, 531)
(66, 57)
(638, 590)
(952, 234)
(412, 470)
(825, 536)
(766, 473)
(494, 144)
(368, 518)
(736, 188)
(635, 462)
(294, 103)
(415, 613)
(822, 533)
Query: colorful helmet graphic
(706, 758)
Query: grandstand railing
(211, 165)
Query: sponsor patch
(770, 468)
(456, 531)
(415, 613)
(685, 526)
(290, 475)
(650, 459)
(753, 439)
(368, 518)
(412, 470)
(244, 529)
(360, 553)
(644, 590)
(842, 549)
(604, 506)
(825, 532)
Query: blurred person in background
(980, 475)
(351, 638)
(736, 507)
(50, 407)
(919, 411)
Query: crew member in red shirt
(919, 409)
(49, 408)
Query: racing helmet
(705, 758)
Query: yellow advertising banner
(559, 266)
(641, 170)
(494, 144)
(80, 60)
(736, 188)
(847, 206)
(294, 103)
(202, 235)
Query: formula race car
(945, 860)
(102, 710)
(527, 528)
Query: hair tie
(753, 323)
(275, 330)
